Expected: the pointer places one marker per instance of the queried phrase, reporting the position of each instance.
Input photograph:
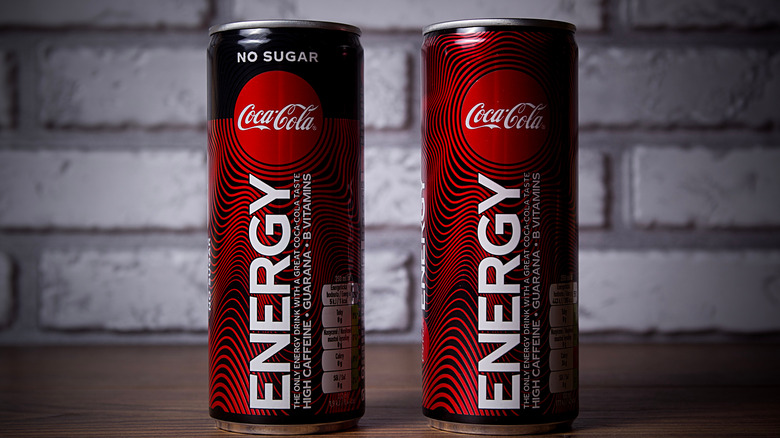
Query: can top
(499, 22)
(282, 24)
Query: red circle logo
(505, 116)
(278, 117)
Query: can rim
(290, 24)
(499, 22)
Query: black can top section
(487, 23)
(284, 24)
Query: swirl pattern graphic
(334, 169)
(545, 176)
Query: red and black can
(285, 224)
(499, 226)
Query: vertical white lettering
(271, 194)
(500, 193)
(270, 221)
(273, 333)
(268, 401)
(498, 323)
(498, 401)
(423, 282)
(489, 363)
(497, 331)
(501, 220)
(278, 341)
(267, 323)
(268, 286)
(501, 270)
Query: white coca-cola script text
(294, 116)
(521, 116)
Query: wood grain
(626, 390)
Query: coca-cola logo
(278, 117)
(524, 115)
(292, 117)
(505, 116)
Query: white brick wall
(6, 291)
(392, 185)
(592, 196)
(166, 289)
(124, 291)
(103, 190)
(103, 13)
(387, 290)
(681, 87)
(6, 92)
(679, 291)
(686, 14)
(414, 14)
(88, 87)
(682, 187)
(103, 173)
(386, 87)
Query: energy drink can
(285, 227)
(499, 226)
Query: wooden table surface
(626, 390)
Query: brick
(104, 13)
(387, 291)
(162, 290)
(392, 186)
(704, 188)
(387, 76)
(86, 87)
(414, 14)
(764, 99)
(679, 291)
(6, 92)
(704, 14)
(138, 290)
(6, 291)
(592, 196)
(103, 190)
(678, 88)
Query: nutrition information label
(340, 338)
(563, 336)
